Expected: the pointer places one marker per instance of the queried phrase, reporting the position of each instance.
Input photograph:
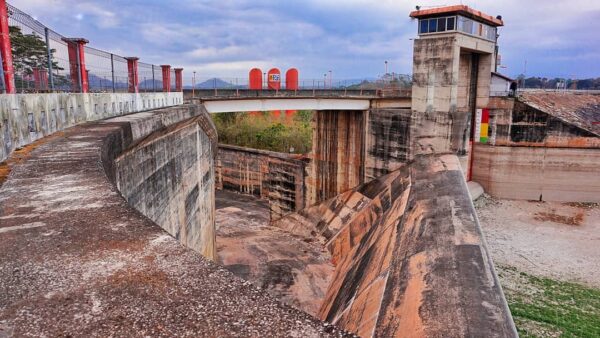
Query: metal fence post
(2, 76)
(79, 75)
(49, 53)
(153, 82)
(112, 71)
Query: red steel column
(178, 79)
(166, 76)
(5, 50)
(37, 80)
(77, 64)
(132, 74)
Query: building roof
(457, 9)
(580, 110)
(502, 76)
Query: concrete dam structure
(109, 221)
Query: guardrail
(37, 59)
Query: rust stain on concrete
(22, 154)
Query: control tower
(453, 58)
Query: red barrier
(6, 51)
(132, 74)
(166, 77)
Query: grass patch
(544, 307)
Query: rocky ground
(296, 269)
(549, 239)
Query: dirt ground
(295, 269)
(550, 239)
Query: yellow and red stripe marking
(483, 131)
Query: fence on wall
(41, 62)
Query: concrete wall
(276, 177)
(355, 147)
(514, 123)
(410, 257)
(538, 173)
(337, 157)
(169, 176)
(25, 118)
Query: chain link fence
(41, 62)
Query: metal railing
(41, 62)
(397, 82)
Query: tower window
(432, 25)
(441, 24)
(424, 27)
(450, 23)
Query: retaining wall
(276, 177)
(169, 176)
(538, 173)
(25, 118)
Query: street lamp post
(330, 80)
(194, 85)
(325, 81)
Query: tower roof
(457, 9)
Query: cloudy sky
(352, 38)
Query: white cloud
(351, 37)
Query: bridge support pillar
(79, 75)
(6, 51)
(166, 77)
(178, 79)
(132, 74)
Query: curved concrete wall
(77, 260)
(25, 118)
(169, 176)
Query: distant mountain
(102, 83)
(215, 83)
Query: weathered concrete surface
(276, 177)
(25, 118)
(337, 157)
(475, 190)
(295, 269)
(238, 104)
(77, 260)
(580, 110)
(351, 147)
(542, 146)
(410, 257)
(170, 178)
(538, 173)
(545, 120)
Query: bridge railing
(46, 61)
(227, 84)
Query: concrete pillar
(5, 50)
(178, 79)
(132, 74)
(79, 74)
(166, 76)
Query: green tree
(29, 52)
